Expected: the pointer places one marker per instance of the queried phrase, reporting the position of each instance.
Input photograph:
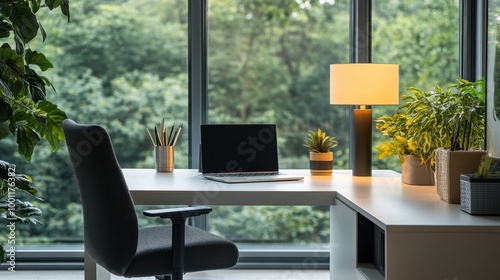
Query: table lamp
(363, 85)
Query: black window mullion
(360, 47)
(198, 81)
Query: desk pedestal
(414, 252)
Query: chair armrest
(178, 217)
(183, 212)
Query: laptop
(241, 153)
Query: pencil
(170, 135)
(151, 137)
(176, 136)
(158, 139)
(162, 127)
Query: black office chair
(112, 237)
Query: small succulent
(319, 142)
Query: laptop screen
(229, 148)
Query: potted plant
(320, 154)
(25, 113)
(480, 192)
(416, 169)
(464, 115)
(429, 120)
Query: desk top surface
(382, 197)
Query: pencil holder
(164, 158)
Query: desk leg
(343, 243)
(89, 268)
(93, 271)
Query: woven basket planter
(449, 166)
(480, 195)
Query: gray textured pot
(480, 195)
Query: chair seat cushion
(203, 251)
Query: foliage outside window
(268, 62)
(25, 113)
(422, 37)
(123, 64)
(111, 68)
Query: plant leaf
(24, 212)
(24, 22)
(26, 141)
(52, 4)
(5, 29)
(21, 181)
(4, 130)
(318, 142)
(38, 59)
(5, 111)
(51, 127)
(35, 5)
(65, 8)
(14, 61)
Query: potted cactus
(320, 154)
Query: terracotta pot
(321, 163)
(415, 173)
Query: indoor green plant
(399, 145)
(428, 120)
(414, 171)
(25, 113)
(320, 154)
(464, 109)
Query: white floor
(231, 274)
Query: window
(269, 62)
(124, 64)
(493, 77)
(121, 64)
(423, 38)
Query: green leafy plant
(25, 113)
(319, 142)
(427, 120)
(396, 129)
(487, 168)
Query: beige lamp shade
(364, 84)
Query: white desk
(189, 187)
(425, 238)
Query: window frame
(473, 28)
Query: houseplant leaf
(4, 130)
(27, 139)
(21, 181)
(24, 21)
(56, 3)
(51, 126)
(38, 59)
(5, 29)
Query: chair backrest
(110, 221)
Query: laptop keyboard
(244, 174)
